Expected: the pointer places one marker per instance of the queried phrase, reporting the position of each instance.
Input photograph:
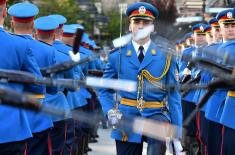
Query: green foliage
(113, 26)
(68, 8)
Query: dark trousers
(81, 133)
(202, 127)
(38, 144)
(190, 141)
(13, 148)
(58, 137)
(155, 147)
(214, 138)
(228, 147)
(70, 144)
(187, 108)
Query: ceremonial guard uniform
(40, 123)
(155, 66)
(77, 99)
(216, 101)
(74, 101)
(47, 26)
(16, 55)
(227, 22)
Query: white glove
(173, 143)
(74, 57)
(186, 71)
(114, 116)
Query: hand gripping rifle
(57, 68)
(225, 79)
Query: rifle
(116, 42)
(192, 81)
(135, 124)
(213, 65)
(28, 78)
(77, 40)
(96, 73)
(211, 88)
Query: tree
(114, 24)
(167, 15)
(68, 8)
(167, 9)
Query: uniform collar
(136, 46)
(1, 28)
(27, 35)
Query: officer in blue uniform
(60, 46)
(95, 106)
(85, 49)
(45, 32)
(227, 22)
(200, 43)
(190, 141)
(71, 140)
(77, 99)
(215, 102)
(206, 77)
(15, 54)
(143, 62)
(22, 24)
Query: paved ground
(106, 145)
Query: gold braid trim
(124, 137)
(152, 79)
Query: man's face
(215, 31)
(199, 38)
(137, 24)
(228, 31)
(190, 41)
(209, 38)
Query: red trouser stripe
(65, 137)
(222, 142)
(25, 149)
(49, 145)
(198, 127)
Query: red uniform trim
(23, 20)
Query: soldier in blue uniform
(70, 145)
(227, 22)
(200, 43)
(22, 24)
(143, 62)
(85, 49)
(214, 103)
(45, 32)
(73, 134)
(17, 55)
(191, 143)
(77, 99)
(206, 77)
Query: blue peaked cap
(70, 29)
(142, 10)
(23, 10)
(60, 18)
(46, 23)
(78, 26)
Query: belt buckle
(141, 103)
